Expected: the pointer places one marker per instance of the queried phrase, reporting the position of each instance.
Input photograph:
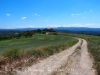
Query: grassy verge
(94, 48)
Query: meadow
(24, 52)
(36, 41)
(42, 45)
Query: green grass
(34, 48)
(38, 40)
(12, 54)
(93, 46)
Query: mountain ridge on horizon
(77, 30)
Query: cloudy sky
(49, 13)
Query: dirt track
(73, 61)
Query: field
(51, 42)
(27, 51)
(36, 41)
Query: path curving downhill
(73, 61)
(79, 62)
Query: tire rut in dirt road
(86, 63)
(78, 63)
(47, 66)
(69, 66)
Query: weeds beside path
(47, 66)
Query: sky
(49, 13)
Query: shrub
(64, 46)
(12, 53)
(37, 53)
(49, 50)
(57, 48)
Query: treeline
(25, 34)
(4, 32)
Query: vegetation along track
(78, 63)
(73, 61)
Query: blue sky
(49, 13)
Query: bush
(49, 50)
(57, 48)
(64, 46)
(12, 53)
(37, 53)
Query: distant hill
(14, 31)
(9, 31)
(78, 30)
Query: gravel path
(85, 63)
(77, 62)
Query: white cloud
(72, 14)
(26, 26)
(37, 15)
(30, 26)
(76, 14)
(75, 25)
(53, 25)
(7, 14)
(23, 18)
(90, 25)
(91, 10)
